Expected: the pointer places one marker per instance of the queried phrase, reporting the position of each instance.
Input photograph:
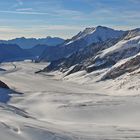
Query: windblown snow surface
(49, 107)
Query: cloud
(59, 27)
(25, 12)
(55, 14)
(24, 9)
(65, 31)
(68, 14)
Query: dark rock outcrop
(3, 85)
(129, 66)
(76, 68)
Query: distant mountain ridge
(12, 52)
(27, 43)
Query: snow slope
(122, 46)
(56, 109)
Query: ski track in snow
(56, 109)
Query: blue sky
(64, 18)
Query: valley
(53, 107)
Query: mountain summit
(97, 34)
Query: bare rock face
(3, 85)
(129, 66)
(132, 33)
(76, 68)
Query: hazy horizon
(62, 18)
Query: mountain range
(92, 49)
(95, 49)
(25, 48)
(28, 43)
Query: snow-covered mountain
(97, 34)
(80, 41)
(27, 43)
(101, 55)
(124, 48)
(82, 57)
